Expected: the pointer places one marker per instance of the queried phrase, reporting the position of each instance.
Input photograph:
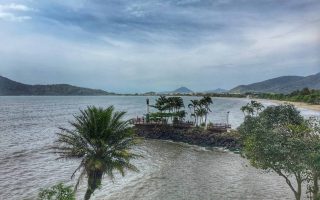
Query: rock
(195, 136)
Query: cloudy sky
(158, 45)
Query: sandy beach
(297, 104)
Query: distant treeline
(306, 95)
(221, 95)
(200, 94)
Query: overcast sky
(158, 45)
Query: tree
(272, 141)
(57, 192)
(247, 110)
(174, 104)
(312, 142)
(178, 103)
(200, 113)
(252, 108)
(200, 109)
(102, 140)
(206, 101)
(161, 103)
(257, 107)
(168, 107)
(193, 106)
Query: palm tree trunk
(94, 181)
(205, 119)
(195, 119)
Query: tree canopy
(281, 140)
(101, 140)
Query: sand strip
(297, 104)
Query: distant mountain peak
(182, 90)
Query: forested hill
(282, 84)
(10, 88)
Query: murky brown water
(167, 171)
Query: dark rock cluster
(194, 136)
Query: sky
(130, 46)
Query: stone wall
(195, 136)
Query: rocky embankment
(194, 136)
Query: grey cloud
(129, 46)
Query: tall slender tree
(102, 140)
(193, 106)
(205, 102)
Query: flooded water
(168, 170)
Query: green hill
(11, 88)
(283, 84)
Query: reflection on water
(167, 171)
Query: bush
(57, 192)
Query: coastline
(297, 104)
(193, 136)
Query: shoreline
(297, 104)
(193, 136)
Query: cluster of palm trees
(170, 104)
(253, 108)
(169, 107)
(200, 110)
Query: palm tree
(102, 140)
(170, 104)
(193, 105)
(174, 104)
(247, 110)
(252, 108)
(179, 103)
(257, 106)
(161, 105)
(206, 101)
(201, 112)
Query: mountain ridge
(9, 87)
(282, 84)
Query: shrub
(57, 192)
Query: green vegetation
(164, 115)
(170, 108)
(217, 95)
(57, 192)
(305, 95)
(102, 140)
(200, 110)
(279, 139)
(253, 108)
